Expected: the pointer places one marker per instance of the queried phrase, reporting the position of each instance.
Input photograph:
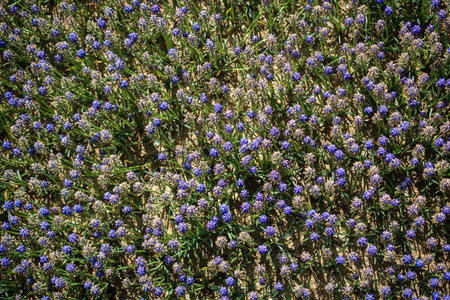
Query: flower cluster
(225, 150)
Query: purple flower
(128, 8)
(296, 76)
(282, 187)
(328, 70)
(182, 227)
(419, 263)
(70, 268)
(340, 260)
(388, 11)
(309, 223)
(288, 210)
(362, 241)
(67, 210)
(262, 219)
(5, 262)
(21, 249)
(278, 287)
(180, 291)
(73, 37)
(372, 250)
(407, 293)
(407, 259)
(329, 231)
(269, 231)
(67, 249)
(262, 249)
(227, 217)
(315, 236)
(230, 281)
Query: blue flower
(180, 291)
(372, 250)
(296, 76)
(126, 209)
(6, 262)
(73, 37)
(278, 287)
(328, 70)
(213, 152)
(230, 281)
(70, 268)
(262, 249)
(407, 259)
(269, 231)
(21, 249)
(254, 39)
(227, 217)
(128, 8)
(67, 249)
(124, 84)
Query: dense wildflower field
(225, 149)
